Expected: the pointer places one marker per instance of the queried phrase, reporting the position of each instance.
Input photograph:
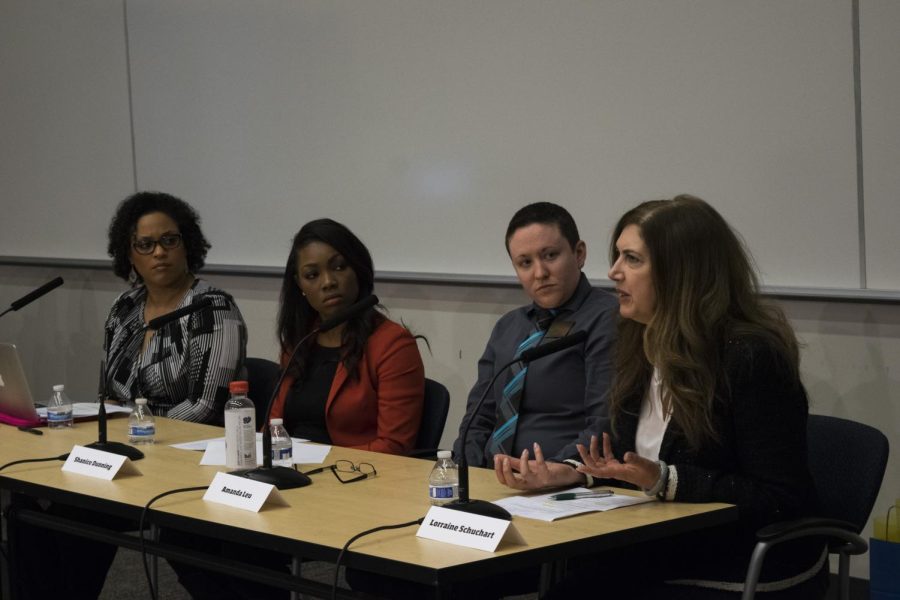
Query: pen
(31, 430)
(579, 495)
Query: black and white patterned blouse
(185, 371)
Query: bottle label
(441, 493)
(285, 453)
(240, 438)
(58, 415)
(142, 430)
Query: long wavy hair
(707, 292)
(296, 318)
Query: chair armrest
(840, 535)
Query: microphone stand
(285, 478)
(482, 507)
(102, 443)
(158, 323)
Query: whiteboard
(423, 125)
(880, 61)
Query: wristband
(659, 488)
(588, 479)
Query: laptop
(16, 405)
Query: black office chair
(261, 376)
(434, 417)
(847, 461)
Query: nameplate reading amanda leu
(99, 464)
(239, 492)
(469, 530)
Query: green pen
(580, 495)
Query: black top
(304, 411)
(759, 463)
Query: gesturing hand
(523, 474)
(635, 469)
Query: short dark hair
(545, 213)
(296, 317)
(129, 212)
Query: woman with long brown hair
(706, 406)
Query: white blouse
(651, 422)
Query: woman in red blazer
(360, 384)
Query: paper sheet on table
(305, 454)
(87, 409)
(544, 509)
(201, 444)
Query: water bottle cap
(140, 401)
(59, 388)
(444, 454)
(238, 387)
(276, 421)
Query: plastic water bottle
(59, 409)
(141, 425)
(282, 446)
(443, 483)
(240, 428)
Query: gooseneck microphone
(32, 296)
(285, 478)
(481, 507)
(108, 370)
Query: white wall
(850, 361)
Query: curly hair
(707, 292)
(296, 318)
(129, 212)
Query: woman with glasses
(360, 384)
(184, 368)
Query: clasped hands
(524, 473)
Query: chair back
(434, 415)
(847, 461)
(261, 377)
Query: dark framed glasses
(169, 241)
(347, 472)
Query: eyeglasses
(169, 241)
(343, 470)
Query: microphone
(285, 478)
(345, 314)
(481, 507)
(155, 324)
(542, 350)
(32, 296)
(163, 320)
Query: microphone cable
(153, 591)
(340, 558)
(62, 457)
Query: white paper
(87, 409)
(242, 493)
(304, 454)
(198, 445)
(544, 509)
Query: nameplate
(242, 493)
(99, 464)
(465, 529)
